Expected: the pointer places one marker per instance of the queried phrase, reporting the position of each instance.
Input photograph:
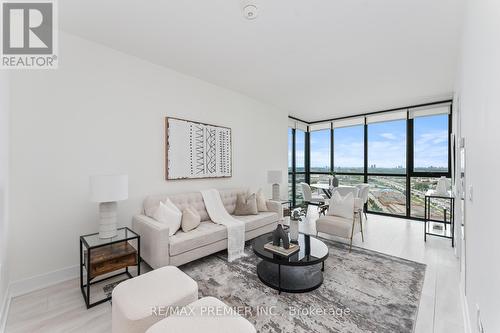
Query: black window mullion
(409, 161)
(365, 164)
(450, 128)
(307, 153)
(331, 150)
(293, 166)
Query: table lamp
(275, 177)
(107, 190)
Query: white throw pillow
(261, 201)
(167, 213)
(342, 206)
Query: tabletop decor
(107, 190)
(280, 238)
(333, 181)
(274, 177)
(197, 150)
(296, 216)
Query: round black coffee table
(301, 272)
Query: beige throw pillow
(246, 205)
(190, 219)
(261, 201)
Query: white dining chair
(310, 198)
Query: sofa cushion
(193, 199)
(335, 225)
(206, 233)
(253, 222)
(181, 201)
(229, 198)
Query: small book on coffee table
(281, 250)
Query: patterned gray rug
(363, 291)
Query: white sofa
(158, 249)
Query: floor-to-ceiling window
(386, 137)
(349, 150)
(430, 159)
(401, 154)
(320, 154)
(297, 162)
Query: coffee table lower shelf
(290, 279)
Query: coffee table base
(290, 279)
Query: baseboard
(4, 309)
(21, 287)
(465, 310)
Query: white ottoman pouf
(134, 300)
(207, 315)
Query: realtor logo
(28, 34)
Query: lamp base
(276, 192)
(107, 219)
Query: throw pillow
(261, 201)
(246, 205)
(342, 206)
(167, 213)
(190, 219)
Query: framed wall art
(196, 150)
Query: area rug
(363, 291)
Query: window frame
(409, 174)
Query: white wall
(103, 112)
(4, 167)
(478, 89)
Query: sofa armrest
(154, 240)
(275, 206)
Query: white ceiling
(315, 58)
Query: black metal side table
(449, 234)
(100, 257)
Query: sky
(386, 144)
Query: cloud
(388, 136)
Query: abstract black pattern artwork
(197, 150)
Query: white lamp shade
(108, 188)
(274, 176)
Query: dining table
(326, 188)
